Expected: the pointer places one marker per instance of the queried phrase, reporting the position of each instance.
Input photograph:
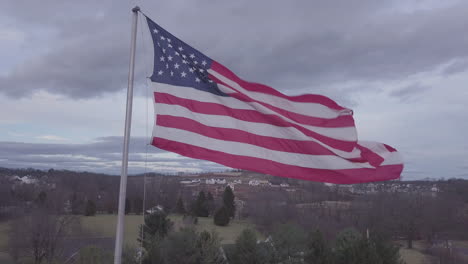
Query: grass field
(414, 255)
(104, 225)
(4, 257)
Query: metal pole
(128, 122)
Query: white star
(195, 62)
(177, 53)
(164, 51)
(191, 70)
(210, 81)
(176, 65)
(204, 62)
(192, 55)
(161, 58)
(160, 72)
(169, 58)
(167, 66)
(155, 31)
(159, 45)
(172, 73)
(183, 56)
(169, 40)
(184, 61)
(197, 80)
(183, 74)
(201, 70)
(162, 37)
(169, 45)
(181, 49)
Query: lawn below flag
(204, 111)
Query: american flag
(204, 111)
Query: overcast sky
(402, 66)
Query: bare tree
(37, 237)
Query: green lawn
(414, 255)
(228, 234)
(4, 256)
(104, 225)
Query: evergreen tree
(156, 226)
(352, 248)
(41, 198)
(137, 205)
(180, 208)
(210, 203)
(318, 251)
(228, 201)
(221, 217)
(289, 240)
(201, 209)
(90, 209)
(128, 206)
(181, 247)
(210, 249)
(245, 249)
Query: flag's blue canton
(177, 63)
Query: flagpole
(128, 122)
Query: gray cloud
(288, 46)
(409, 92)
(103, 155)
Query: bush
(221, 217)
(90, 209)
(94, 255)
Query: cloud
(52, 138)
(290, 47)
(102, 155)
(409, 92)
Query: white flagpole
(128, 122)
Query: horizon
(63, 76)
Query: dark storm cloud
(289, 46)
(103, 155)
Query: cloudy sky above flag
(402, 66)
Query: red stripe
(341, 121)
(236, 135)
(347, 176)
(250, 116)
(344, 120)
(256, 87)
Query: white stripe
(328, 162)
(340, 133)
(318, 110)
(390, 158)
(251, 127)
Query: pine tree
(246, 248)
(318, 251)
(128, 206)
(228, 201)
(201, 209)
(156, 226)
(90, 209)
(180, 208)
(210, 248)
(210, 203)
(221, 217)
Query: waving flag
(204, 111)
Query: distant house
(210, 181)
(259, 182)
(155, 209)
(220, 181)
